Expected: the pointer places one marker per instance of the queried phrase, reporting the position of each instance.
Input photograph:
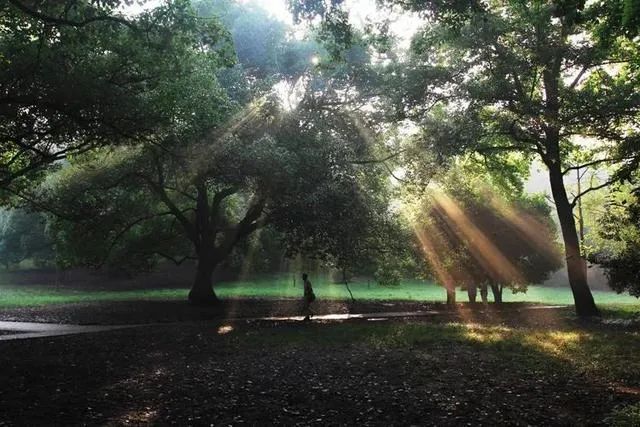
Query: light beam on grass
(432, 245)
(142, 416)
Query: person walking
(309, 297)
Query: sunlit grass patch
(556, 343)
(486, 335)
(608, 355)
(621, 310)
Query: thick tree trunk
(496, 290)
(201, 292)
(576, 268)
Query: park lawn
(40, 295)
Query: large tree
(80, 74)
(291, 170)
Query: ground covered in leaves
(474, 365)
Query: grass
(34, 295)
(595, 354)
(37, 295)
(606, 354)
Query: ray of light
(482, 248)
(430, 252)
(432, 244)
(529, 227)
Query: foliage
(266, 49)
(23, 236)
(79, 74)
(620, 224)
(291, 170)
(475, 230)
(535, 79)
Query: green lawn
(21, 296)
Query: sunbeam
(431, 253)
(529, 227)
(481, 247)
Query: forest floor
(479, 365)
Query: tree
(537, 79)
(23, 236)
(291, 170)
(224, 162)
(357, 233)
(619, 227)
(79, 74)
(474, 232)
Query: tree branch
(593, 188)
(370, 161)
(62, 21)
(174, 260)
(596, 162)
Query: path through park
(12, 330)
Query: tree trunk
(484, 293)
(576, 268)
(451, 295)
(201, 292)
(346, 283)
(472, 292)
(496, 290)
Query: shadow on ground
(369, 373)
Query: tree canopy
(78, 75)
(179, 131)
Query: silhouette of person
(309, 297)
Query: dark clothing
(309, 297)
(308, 292)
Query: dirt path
(26, 330)
(14, 330)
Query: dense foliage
(619, 227)
(78, 75)
(23, 236)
